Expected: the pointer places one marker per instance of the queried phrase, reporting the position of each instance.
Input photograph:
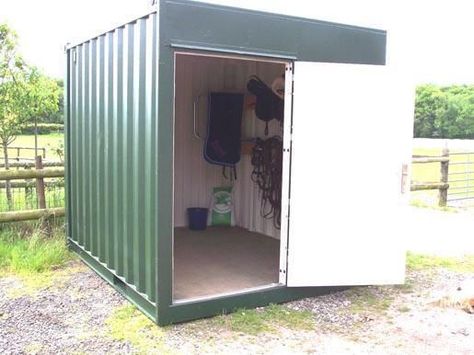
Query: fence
(44, 207)
(443, 185)
(461, 177)
(19, 149)
(48, 198)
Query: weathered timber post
(7, 182)
(28, 191)
(443, 192)
(40, 193)
(40, 184)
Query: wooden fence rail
(17, 216)
(18, 150)
(419, 186)
(31, 174)
(38, 174)
(31, 164)
(30, 184)
(443, 185)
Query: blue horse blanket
(222, 145)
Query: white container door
(351, 136)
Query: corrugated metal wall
(112, 151)
(194, 177)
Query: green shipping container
(135, 121)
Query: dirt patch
(82, 314)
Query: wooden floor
(222, 259)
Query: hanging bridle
(267, 157)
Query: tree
(24, 94)
(56, 116)
(444, 112)
(10, 64)
(40, 97)
(430, 108)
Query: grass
(429, 200)
(29, 252)
(35, 261)
(365, 299)
(407, 287)
(422, 262)
(255, 321)
(49, 141)
(378, 299)
(127, 323)
(404, 309)
(26, 199)
(426, 172)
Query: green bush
(43, 128)
(444, 112)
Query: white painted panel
(194, 177)
(285, 183)
(349, 143)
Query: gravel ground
(69, 317)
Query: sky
(429, 41)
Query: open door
(351, 131)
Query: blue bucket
(197, 218)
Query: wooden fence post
(41, 196)
(40, 184)
(28, 190)
(443, 192)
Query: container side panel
(128, 154)
(76, 160)
(125, 161)
(109, 139)
(199, 25)
(67, 139)
(100, 150)
(92, 149)
(118, 153)
(138, 157)
(164, 187)
(71, 119)
(86, 222)
(113, 155)
(136, 154)
(150, 157)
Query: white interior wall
(194, 177)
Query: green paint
(122, 160)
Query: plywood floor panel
(221, 260)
